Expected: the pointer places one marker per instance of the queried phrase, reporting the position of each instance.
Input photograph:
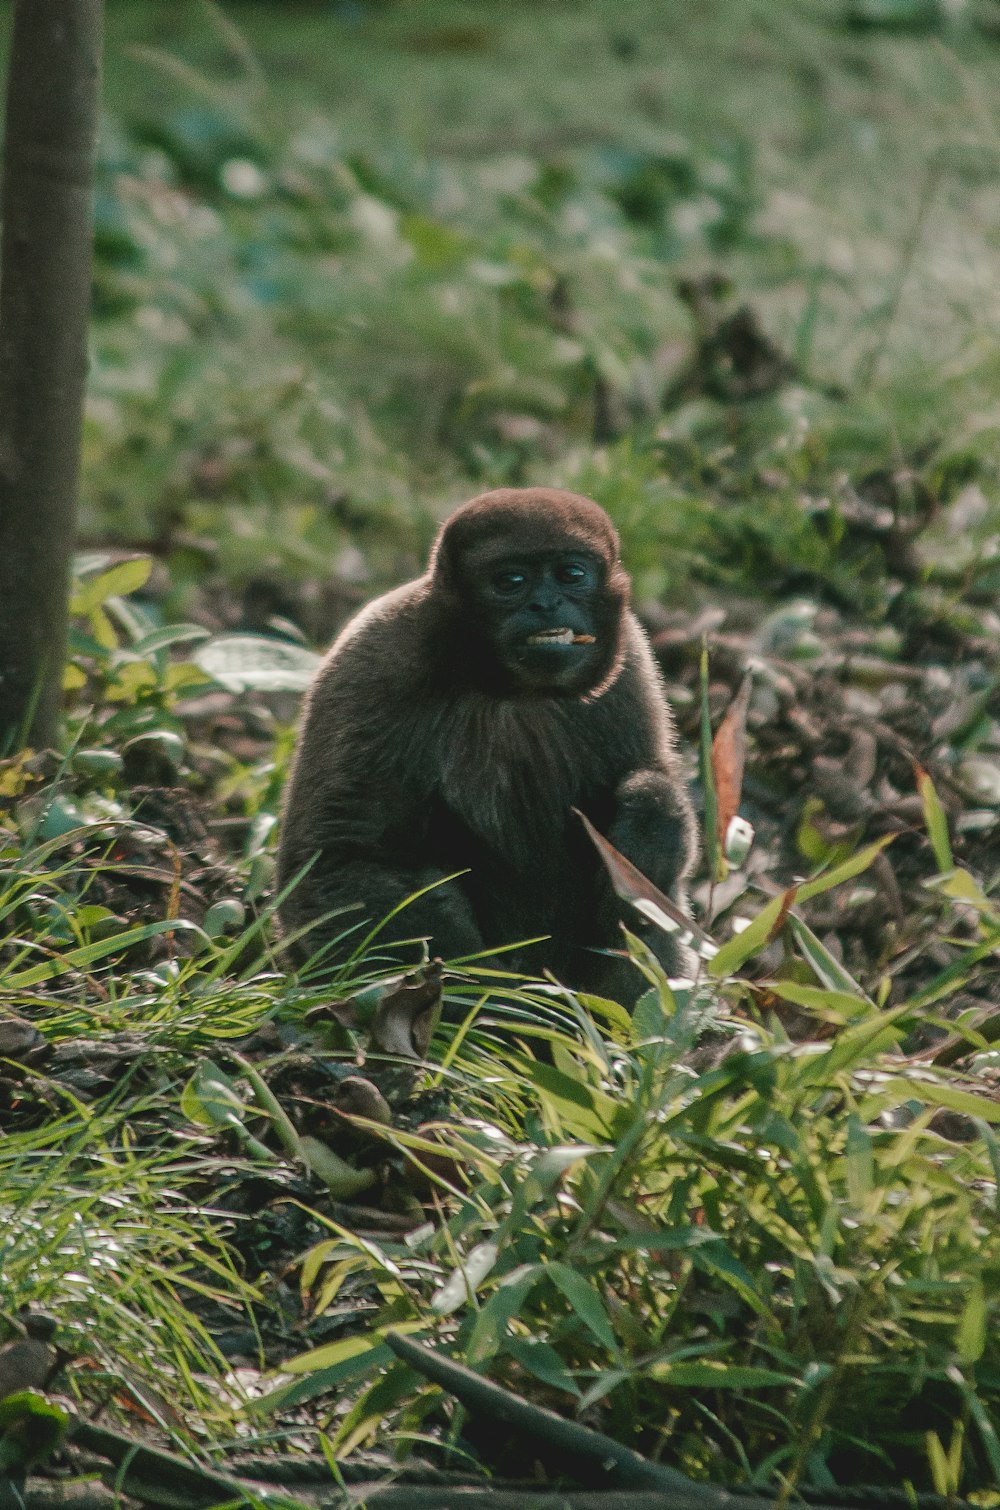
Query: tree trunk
(53, 90)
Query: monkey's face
(540, 612)
(530, 594)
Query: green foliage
(96, 1230)
(769, 1266)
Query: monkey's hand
(653, 826)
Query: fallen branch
(408, 1497)
(160, 1478)
(602, 1458)
(155, 1477)
(411, 1497)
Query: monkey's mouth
(559, 637)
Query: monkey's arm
(653, 822)
(355, 840)
(355, 836)
(343, 850)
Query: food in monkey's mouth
(551, 637)
(559, 637)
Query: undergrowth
(759, 1247)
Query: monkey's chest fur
(510, 771)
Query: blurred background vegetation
(356, 260)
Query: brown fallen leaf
(788, 898)
(135, 1396)
(358, 1097)
(728, 757)
(407, 1015)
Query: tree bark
(53, 91)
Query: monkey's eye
(507, 583)
(572, 573)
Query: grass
(102, 1232)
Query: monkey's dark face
(540, 614)
(529, 594)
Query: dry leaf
(407, 1015)
(632, 886)
(728, 756)
(357, 1097)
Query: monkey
(450, 732)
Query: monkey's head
(529, 582)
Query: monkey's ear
(441, 564)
